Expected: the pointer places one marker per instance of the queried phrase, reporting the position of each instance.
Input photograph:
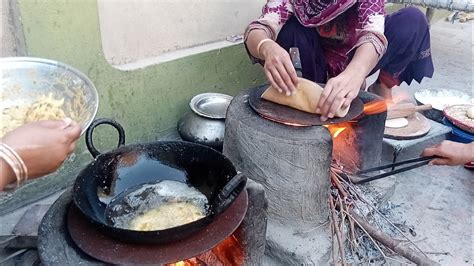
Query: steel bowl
(206, 123)
(24, 79)
(440, 99)
(210, 105)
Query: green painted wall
(147, 102)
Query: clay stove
(293, 164)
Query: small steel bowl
(24, 79)
(210, 105)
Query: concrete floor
(437, 201)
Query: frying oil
(134, 169)
(158, 206)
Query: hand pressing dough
(396, 122)
(305, 99)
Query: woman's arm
(341, 90)
(277, 63)
(7, 175)
(260, 42)
(451, 153)
(43, 146)
(370, 46)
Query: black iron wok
(112, 174)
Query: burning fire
(228, 252)
(189, 262)
(336, 129)
(379, 106)
(344, 144)
(375, 107)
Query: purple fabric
(408, 56)
(313, 63)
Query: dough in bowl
(305, 99)
(470, 112)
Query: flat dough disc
(396, 122)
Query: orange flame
(375, 107)
(335, 130)
(227, 252)
(179, 263)
(344, 145)
(188, 262)
(379, 106)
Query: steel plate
(289, 116)
(211, 105)
(442, 98)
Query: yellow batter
(168, 215)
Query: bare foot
(381, 90)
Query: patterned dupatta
(316, 13)
(366, 25)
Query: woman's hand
(43, 145)
(342, 89)
(278, 68)
(451, 153)
(339, 92)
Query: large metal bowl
(24, 79)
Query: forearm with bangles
(257, 38)
(12, 166)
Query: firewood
(391, 243)
(337, 231)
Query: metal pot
(206, 123)
(202, 130)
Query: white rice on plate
(442, 98)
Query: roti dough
(470, 112)
(305, 99)
(396, 122)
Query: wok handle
(230, 191)
(90, 143)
